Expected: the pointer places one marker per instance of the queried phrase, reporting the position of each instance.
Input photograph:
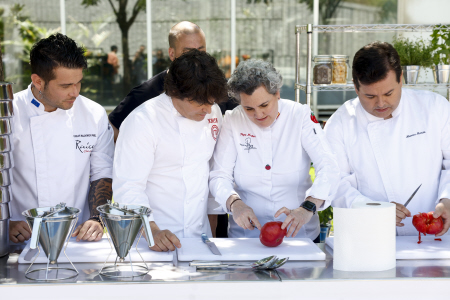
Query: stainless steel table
(411, 279)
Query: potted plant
(413, 55)
(325, 217)
(440, 44)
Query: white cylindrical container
(364, 237)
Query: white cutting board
(407, 247)
(97, 252)
(248, 249)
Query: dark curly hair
(373, 62)
(55, 51)
(195, 76)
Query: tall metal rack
(308, 88)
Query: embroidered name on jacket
(83, 147)
(248, 144)
(414, 134)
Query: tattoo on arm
(99, 193)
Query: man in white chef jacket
(63, 144)
(390, 140)
(164, 148)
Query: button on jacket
(269, 167)
(386, 160)
(162, 162)
(58, 154)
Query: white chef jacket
(386, 160)
(270, 166)
(162, 162)
(57, 154)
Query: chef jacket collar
(35, 103)
(39, 107)
(371, 118)
(168, 101)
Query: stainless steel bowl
(5, 126)
(4, 237)
(6, 161)
(6, 109)
(4, 211)
(5, 145)
(5, 194)
(410, 74)
(5, 177)
(441, 73)
(6, 91)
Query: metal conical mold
(6, 91)
(123, 223)
(54, 229)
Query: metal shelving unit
(308, 88)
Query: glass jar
(322, 72)
(340, 69)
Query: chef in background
(164, 148)
(263, 157)
(63, 143)
(390, 140)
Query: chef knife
(210, 245)
(407, 202)
(175, 257)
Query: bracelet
(233, 202)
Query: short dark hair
(55, 51)
(373, 62)
(195, 76)
(113, 47)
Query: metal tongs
(142, 214)
(267, 263)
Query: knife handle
(205, 238)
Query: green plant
(413, 53)
(325, 216)
(440, 44)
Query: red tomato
(271, 234)
(426, 223)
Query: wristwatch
(309, 206)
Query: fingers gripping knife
(123, 223)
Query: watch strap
(309, 206)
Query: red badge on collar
(313, 118)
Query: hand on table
(295, 217)
(91, 231)
(443, 210)
(243, 214)
(165, 240)
(19, 231)
(401, 213)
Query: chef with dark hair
(164, 149)
(391, 140)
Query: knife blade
(175, 257)
(410, 198)
(210, 245)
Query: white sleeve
(324, 160)
(101, 158)
(135, 153)
(443, 114)
(224, 159)
(347, 192)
